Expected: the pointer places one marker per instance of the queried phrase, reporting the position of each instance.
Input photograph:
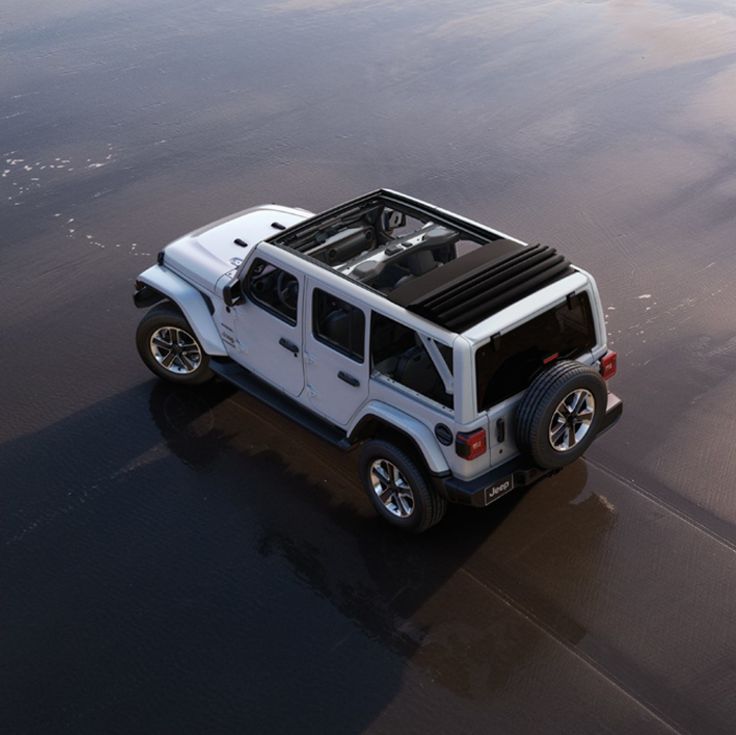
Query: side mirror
(232, 294)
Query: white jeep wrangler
(464, 363)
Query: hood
(202, 257)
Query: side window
(338, 324)
(397, 352)
(274, 289)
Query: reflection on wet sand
(395, 588)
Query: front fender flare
(414, 430)
(192, 304)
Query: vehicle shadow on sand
(233, 574)
(383, 581)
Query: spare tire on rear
(560, 414)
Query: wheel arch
(381, 421)
(160, 283)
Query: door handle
(286, 344)
(349, 379)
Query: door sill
(275, 399)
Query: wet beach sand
(178, 562)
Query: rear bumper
(517, 473)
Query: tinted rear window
(508, 366)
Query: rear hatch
(506, 365)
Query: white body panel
(260, 337)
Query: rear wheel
(398, 489)
(169, 348)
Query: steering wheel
(287, 290)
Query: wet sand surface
(192, 562)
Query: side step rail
(254, 386)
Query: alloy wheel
(572, 420)
(175, 350)
(391, 488)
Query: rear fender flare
(377, 413)
(192, 303)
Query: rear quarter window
(398, 353)
(506, 365)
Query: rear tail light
(471, 444)
(608, 365)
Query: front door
(336, 359)
(268, 326)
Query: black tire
(538, 410)
(428, 507)
(164, 317)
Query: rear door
(335, 356)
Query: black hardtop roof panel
(495, 280)
(456, 271)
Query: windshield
(506, 365)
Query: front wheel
(169, 348)
(398, 489)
